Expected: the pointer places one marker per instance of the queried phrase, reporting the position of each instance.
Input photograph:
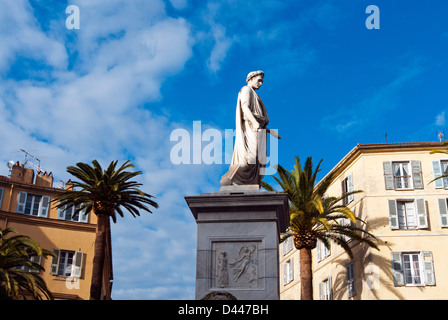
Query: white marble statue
(249, 153)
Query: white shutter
(443, 212)
(77, 264)
(285, 272)
(61, 212)
(319, 244)
(21, 202)
(397, 269)
(437, 172)
(329, 291)
(428, 267)
(393, 214)
(83, 216)
(291, 270)
(37, 260)
(55, 262)
(388, 175)
(417, 174)
(44, 206)
(350, 188)
(321, 289)
(422, 219)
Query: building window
(350, 272)
(325, 290)
(67, 214)
(67, 263)
(407, 214)
(34, 259)
(33, 204)
(403, 175)
(439, 168)
(347, 186)
(443, 212)
(413, 268)
(288, 271)
(322, 250)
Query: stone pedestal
(238, 240)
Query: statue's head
(255, 79)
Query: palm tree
(313, 216)
(105, 192)
(19, 275)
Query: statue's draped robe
(249, 153)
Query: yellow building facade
(25, 204)
(407, 213)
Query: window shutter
(321, 289)
(330, 292)
(417, 174)
(61, 212)
(55, 262)
(388, 175)
(83, 216)
(21, 202)
(285, 272)
(350, 188)
(77, 264)
(422, 218)
(443, 212)
(428, 266)
(437, 172)
(298, 263)
(397, 269)
(44, 206)
(319, 244)
(327, 250)
(344, 191)
(37, 260)
(1, 197)
(393, 214)
(291, 270)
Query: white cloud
(100, 109)
(440, 119)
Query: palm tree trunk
(306, 274)
(98, 259)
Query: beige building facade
(25, 205)
(407, 213)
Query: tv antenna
(39, 170)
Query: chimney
(21, 174)
(44, 179)
(69, 185)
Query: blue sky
(136, 70)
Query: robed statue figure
(249, 153)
